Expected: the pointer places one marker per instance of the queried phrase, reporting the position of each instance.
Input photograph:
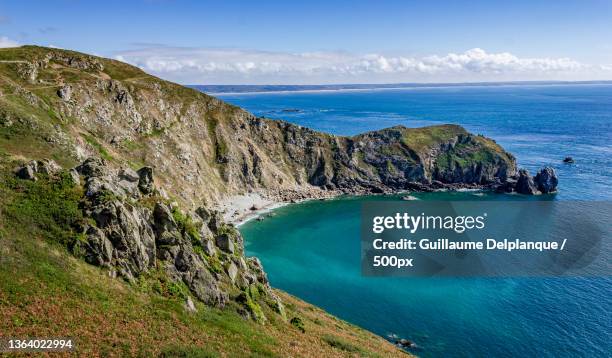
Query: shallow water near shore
(312, 249)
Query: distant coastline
(244, 89)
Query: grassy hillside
(45, 291)
(67, 106)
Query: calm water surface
(312, 249)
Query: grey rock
(205, 287)
(92, 167)
(525, 184)
(48, 166)
(224, 242)
(232, 271)
(129, 174)
(98, 249)
(74, 175)
(166, 229)
(65, 93)
(546, 180)
(204, 213)
(190, 306)
(208, 247)
(257, 269)
(129, 230)
(145, 181)
(28, 171)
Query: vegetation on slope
(44, 291)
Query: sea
(312, 249)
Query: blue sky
(328, 41)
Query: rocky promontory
(156, 161)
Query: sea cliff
(144, 166)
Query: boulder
(166, 229)
(525, 184)
(48, 166)
(28, 171)
(257, 269)
(224, 242)
(546, 180)
(204, 213)
(205, 287)
(129, 174)
(145, 181)
(74, 175)
(190, 306)
(65, 93)
(208, 247)
(129, 230)
(98, 249)
(92, 167)
(232, 271)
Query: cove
(311, 250)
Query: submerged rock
(568, 160)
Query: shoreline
(240, 209)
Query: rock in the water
(525, 184)
(404, 343)
(568, 160)
(546, 180)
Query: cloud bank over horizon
(239, 66)
(6, 42)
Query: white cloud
(6, 42)
(205, 65)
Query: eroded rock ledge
(133, 232)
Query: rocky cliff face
(154, 158)
(132, 232)
(204, 150)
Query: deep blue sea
(312, 249)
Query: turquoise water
(312, 250)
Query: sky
(321, 42)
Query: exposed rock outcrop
(202, 150)
(545, 182)
(29, 170)
(131, 239)
(205, 150)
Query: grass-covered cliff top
(67, 106)
(45, 291)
